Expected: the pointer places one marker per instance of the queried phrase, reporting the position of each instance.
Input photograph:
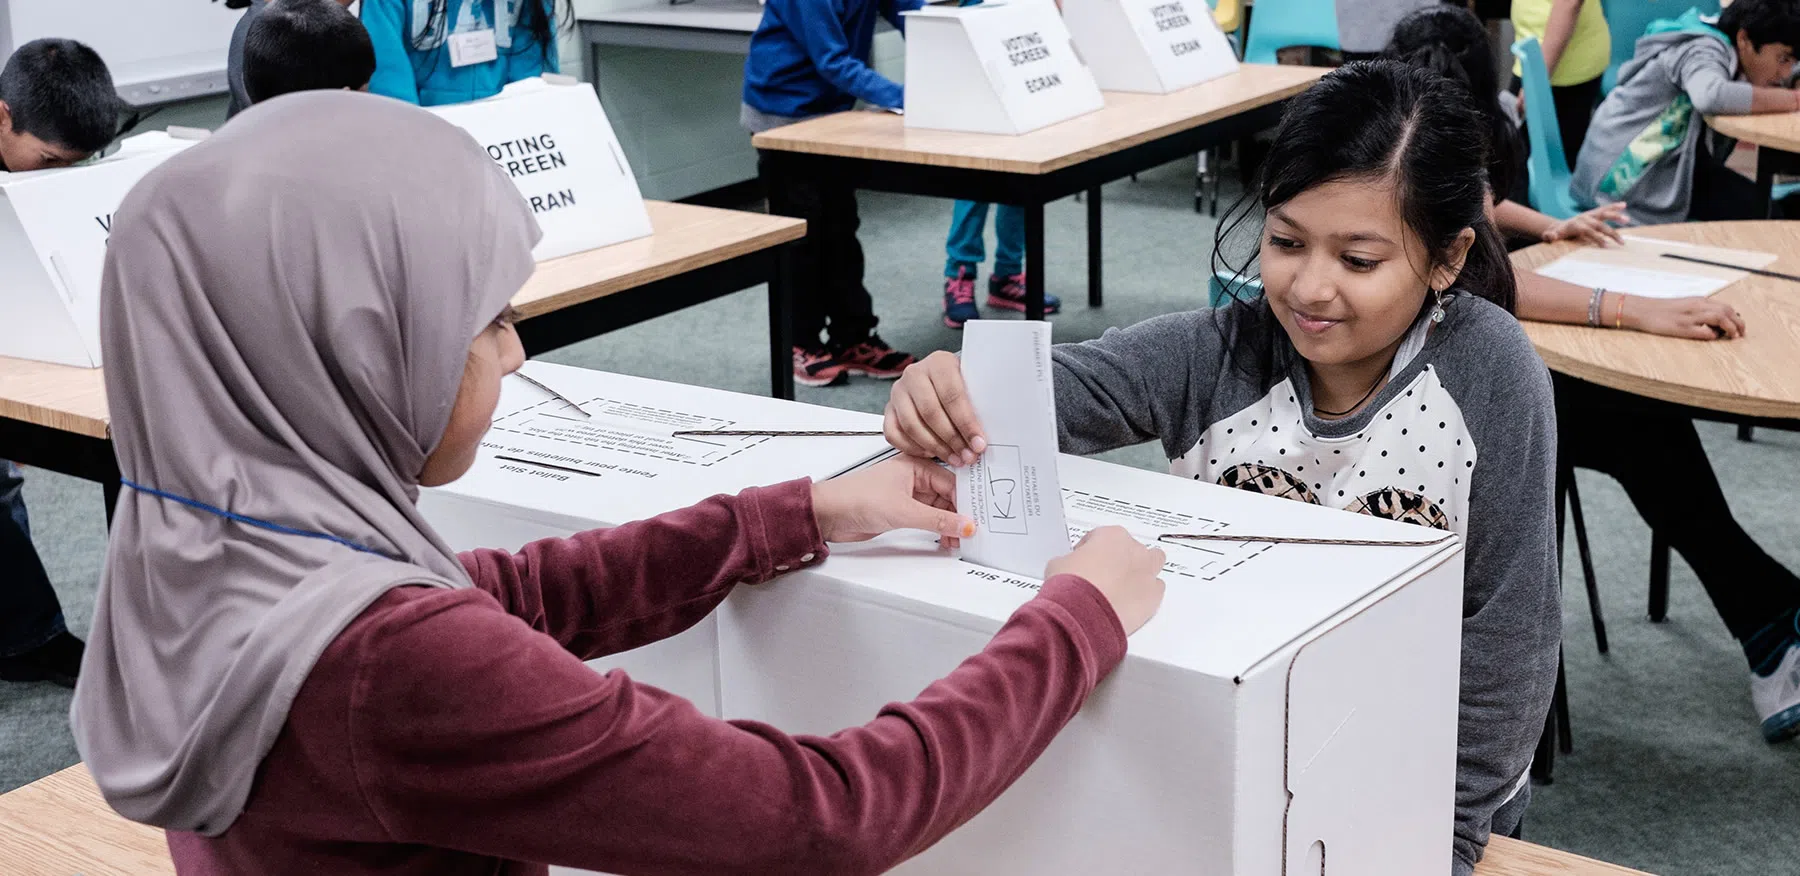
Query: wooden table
(58, 826)
(1777, 139)
(55, 417)
(1133, 132)
(1755, 379)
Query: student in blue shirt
(809, 58)
(433, 52)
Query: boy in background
(809, 58)
(241, 98)
(1649, 146)
(57, 107)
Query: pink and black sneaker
(1008, 293)
(874, 358)
(818, 367)
(959, 298)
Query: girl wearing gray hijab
(305, 319)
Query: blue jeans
(29, 612)
(965, 248)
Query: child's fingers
(954, 396)
(931, 407)
(915, 432)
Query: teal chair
(1278, 24)
(1548, 167)
(1627, 20)
(1220, 284)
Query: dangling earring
(1437, 311)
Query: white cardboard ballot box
(1151, 46)
(1288, 702)
(53, 230)
(553, 139)
(996, 68)
(545, 471)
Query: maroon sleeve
(470, 732)
(611, 590)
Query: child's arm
(1545, 299)
(610, 590)
(1559, 29)
(386, 22)
(1703, 72)
(819, 30)
(1129, 386)
(1512, 615)
(1595, 227)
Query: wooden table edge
(780, 230)
(773, 141)
(1689, 396)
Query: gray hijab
(286, 310)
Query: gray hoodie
(1684, 61)
(1463, 438)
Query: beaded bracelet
(1594, 305)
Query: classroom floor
(1668, 774)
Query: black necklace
(1359, 402)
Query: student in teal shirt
(433, 52)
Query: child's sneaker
(874, 358)
(817, 367)
(959, 299)
(1777, 696)
(1008, 293)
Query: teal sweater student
(433, 52)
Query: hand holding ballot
(929, 413)
(901, 493)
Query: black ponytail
(1450, 41)
(1382, 120)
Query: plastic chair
(1626, 20)
(1548, 167)
(1217, 286)
(1278, 24)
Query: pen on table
(559, 396)
(1758, 271)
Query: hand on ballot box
(929, 413)
(1124, 571)
(902, 493)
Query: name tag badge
(472, 47)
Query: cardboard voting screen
(997, 68)
(1151, 46)
(54, 226)
(556, 144)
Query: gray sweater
(1463, 437)
(1664, 67)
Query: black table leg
(781, 305)
(1765, 181)
(110, 490)
(1034, 260)
(1093, 229)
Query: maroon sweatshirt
(458, 732)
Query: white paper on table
(1012, 491)
(1639, 268)
(1636, 281)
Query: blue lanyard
(252, 521)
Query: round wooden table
(1777, 140)
(1755, 377)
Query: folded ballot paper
(1289, 704)
(1011, 491)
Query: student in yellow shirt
(1577, 48)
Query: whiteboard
(158, 50)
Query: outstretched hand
(901, 493)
